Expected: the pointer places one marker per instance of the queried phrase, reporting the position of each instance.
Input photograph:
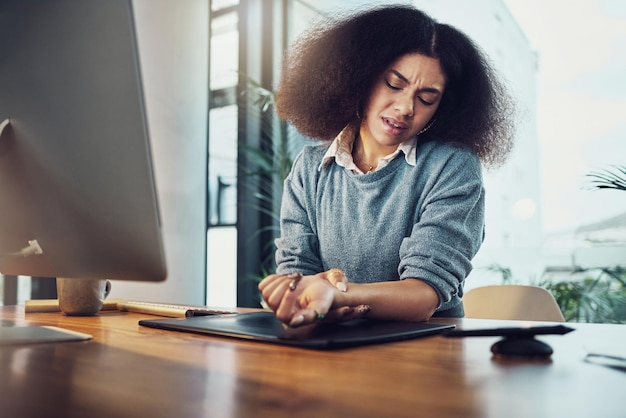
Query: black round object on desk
(521, 348)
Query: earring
(427, 127)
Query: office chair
(515, 302)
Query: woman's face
(403, 101)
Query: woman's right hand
(297, 299)
(300, 300)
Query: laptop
(264, 327)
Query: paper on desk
(38, 334)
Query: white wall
(513, 192)
(173, 49)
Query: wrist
(346, 298)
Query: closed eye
(426, 102)
(391, 86)
(422, 100)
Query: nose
(404, 106)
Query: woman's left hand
(337, 278)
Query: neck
(363, 159)
(366, 154)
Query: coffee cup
(82, 296)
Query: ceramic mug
(82, 296)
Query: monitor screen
(77, 193)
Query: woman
(382, 217)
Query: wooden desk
(132, 371)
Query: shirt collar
(340, 150)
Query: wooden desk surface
(133, 371)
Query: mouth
(395, 126)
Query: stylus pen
(510, 332)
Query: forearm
(405, 300)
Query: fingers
(338, 279)
(348, 313)
(295, 278)
(274, 279)
(307, 316)
(300, 300)
(356, 312)
(338, 314)
(343, 314)
(313, 306)
(273, 287)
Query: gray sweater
(399, 222)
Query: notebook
(264, 327)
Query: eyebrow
(406, 80)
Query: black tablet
(264, 327)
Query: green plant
(270, 163)
(603, 298)
(584, 295)
(588, 295)
(609, 178)
(504, 272)
(592, 295)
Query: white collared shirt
(341, 151)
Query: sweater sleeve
(297, 248)
(449, 230)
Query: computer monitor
(76, 179)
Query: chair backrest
(516, 302)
